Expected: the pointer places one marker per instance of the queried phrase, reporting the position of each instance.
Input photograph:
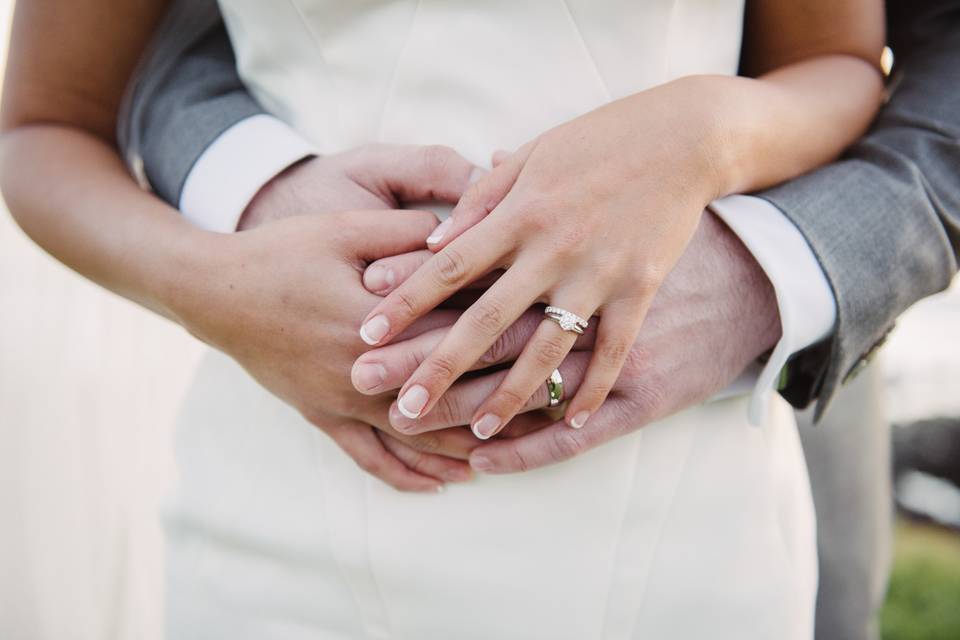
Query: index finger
(469, 257)
(554, 443)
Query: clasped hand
(589, 217)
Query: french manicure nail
(374, 329)
(486, 426)
(368, 377)
(438, 233)
(440, 489)
(481, 463)
(379, 278)
(411, 403)
(580, 419)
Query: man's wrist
(235, 167)
(753, 293)
(274, 200)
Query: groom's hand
(715, 314)
(371, 177)
(374, 176)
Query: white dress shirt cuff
(233, 169)
(804, 297)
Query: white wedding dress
(700, 526)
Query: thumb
(371, 235)
(413, 173)
(481, 198)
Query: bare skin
(716, 301)
(65, 185)
(592, 215)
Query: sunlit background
(89, 386)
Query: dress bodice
(478, 75)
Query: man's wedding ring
(567, 320)
(555, 388)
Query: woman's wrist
(708, 116)
(182, 272)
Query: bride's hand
(589, 217)
(283, 300)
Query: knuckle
(451, 268)
(649, 396)
(539, 399)
(565, 444)
(488, 316)
(635, 360)
(413, 358)
(477, 198)
(522, 463)
(443, 366)
(406, 303)
(437, 157)
(614, 350)
(499, 351)
(595, 393)
(550, 350)
(448, 409)
(506, 396)
(424, 442)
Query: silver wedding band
(555, 388)
(567, 320)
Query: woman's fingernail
(411, 403)
(368, 377)
(481, 463)
(374, 329)
(580, 419)
(485, 427)
(440, 489)
(379, 278)
(438, 233)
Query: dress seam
(586, 49)
(628, 500)
(395, 72)
(334, 97)
(663, 521)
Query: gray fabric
(186, 93)
(848, 455)
(190, 93)
(884, 222)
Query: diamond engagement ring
(555, 388)
(567, 320)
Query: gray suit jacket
(884, 221)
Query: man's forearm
(885, 221)
(187, 93)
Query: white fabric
(698, 526)
(235, 167)
(806, 302)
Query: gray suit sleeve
(884, 222)
(185, 94)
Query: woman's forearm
(768, 130)
(54, 180)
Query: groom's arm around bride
(889, 208)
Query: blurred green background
(923, 600)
